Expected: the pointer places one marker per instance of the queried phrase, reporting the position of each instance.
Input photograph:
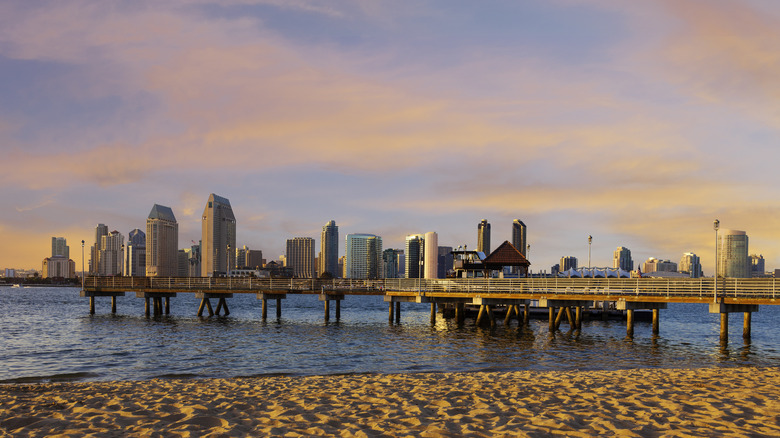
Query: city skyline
(612, 119)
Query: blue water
(48, 335)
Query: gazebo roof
(505, 255)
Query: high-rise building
(655, 265)
(94, 260)
(446, 261)
(390, 257)
(254, 259)
(363, 256)
(162, 243)
(58, 266)
(757, 265)
(567, 262)
(241, 258)
(691, 265)
(431, 255)
(483, 237)
(622, 259)
(300, 256)
(110, 254)
(413, 256)
(733, 260)
(59, 247)
(519, 239)
(219, 236)
(329, 249)
(135, 254)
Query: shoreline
(740, 401)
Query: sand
(700, 402)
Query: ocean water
(49, 335)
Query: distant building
(59, 247)
(240, 258)
(329, 249)
(622, 259)
(363, 256)
(483, 237)
(94, 260)
(413, 253)
(254, 259)
(446, 261)
(567, 262)
(757, 265)
(300, 256)
(431, 255)
(691, 265)
(555, 269)
(162, 243)
(58, 267)
(519, 239)
(655, 265)
(390, 258)
(733, 260)
(218, 238)
(110, 254)
(135, 254)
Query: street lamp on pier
(590, 241)
(715, 226)
(82, 265)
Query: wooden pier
(563, 297)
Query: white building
(363, 256)
(733, 260)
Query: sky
(638, 122)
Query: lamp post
(715, 226)
(82, 265)
(590, 241)
(527, 256)
(227, 261)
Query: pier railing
(738, 288)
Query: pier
(563, 297)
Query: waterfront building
(757, 265)
(363, 256)
(162, 243)
(58, 266)
(300, 257)
(135, 254)
(567, 262)
(519, 239)
(622, 259)
(254, 259)
(733, 260)
(94, 259)
(218, 227)
(59, 247)
(431, 255)
(390, 258)
(446, 261)
(655, 265)
(483, 237)
(691, 264)
(413, 256)
(329, 249)
(110, 254)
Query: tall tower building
(300, 256)
(390, 257)
(691, 265)
(110, 254)
(135, 254)
(329, 249)
(100, 231)
(162, 243)
(363, 256)
(431, 255)
(483, 237)
(59, 247)
(519, 239)
(733, 260)
(622, 259)
(218, 238)
(568, 262)
(413, 255)
(757, 265)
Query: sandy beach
(646, 402)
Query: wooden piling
(558, 318)
(167, 305)
(91, 305)
(338, 310)
(578, 318)
(146, 306)
(225, 306)
(569, 317)
(630, 323)
(508, 318)
(200, 308)
(491, 317)
(656, 322)
(724, 327)
(113, 304)
(480, 314)
(208, 307)
(391, 317)
(604, 310)
(398, 312)
(265, 309)
(219, 305)
(433, 313)
(551, 317)
(746, 325)
(327, 310)
(526, 313)
(459, 316)
(279, 308)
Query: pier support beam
(113, 304)
(630, 323)
(265, 296)
(92, 294)
(392, 313)
(630, 306)
(91, 305)
(397, 312)
(327, 310)
(746, 325)
(724, 309)
(526, 313)
(565, 308)
(656, 313)
(551, 317)
(205, 301)
(578, 318)
(433, 313)
(157, 302)
(167, 305)
(327, 298)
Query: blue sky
(635, 122)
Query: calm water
(48, 334)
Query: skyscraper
(431, 256)
(413, 255)
(135, 254)
(446, 262)
(162, 243)
(218, 237)
(59, 247)
(329, 249)
(691, 265)
(622, 259)
(757, 265)
(363, 256)
(300, 256)
(483, 237)
(733, 260)
(568, 262)
(390, 257)
(519, 239)
(110, 254)
(94, 264)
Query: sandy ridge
(643, 402)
